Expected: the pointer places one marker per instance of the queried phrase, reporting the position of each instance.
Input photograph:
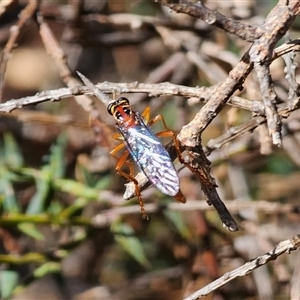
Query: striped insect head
(122, 111)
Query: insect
(144, 147)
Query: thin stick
(99, 94)
(26, 14)
(283, 247)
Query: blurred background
(62, 235)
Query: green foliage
(9, 201)
(279, 163)
(46, 268)
(10, 159)
(30, 230)
(145, 8)
(176, 219)
(8, 282)
(48, 185)
(124, 236)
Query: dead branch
(283, 247)
(26, 14)
(198, 10)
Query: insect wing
(151, 157)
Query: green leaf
(31, 230)
(78, 204)
(46, 268)
(83, 175)
(177, 220)
(57, 157)
(8, 282)
(55, 207)
(10, 203)
(32, 257)
(76, 188)
(103, 183)
(43, 187)
(12, 154)
(92, 179)
(124, 236)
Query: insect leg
(165, 133)
(122, 161)
(146, 114)
(158, 118)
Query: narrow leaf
(43, 186)
(177, 220)
(31, 230)
(46, 268)
(57, 157)
(12, 154)
(10, 203)
(124, 235)
(76, 188)
(8, 282)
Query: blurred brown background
(62, 236)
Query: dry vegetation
(224, 75)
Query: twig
(295, 281)
(26, 14)
(190, 132)
(198, 163)
(198, 10)
(52, 95)
(269, 100)
(290, 70)
(160, 74)
(101, 131)
(60, 58)
(232, 133)
(162, 89)
(97, 92)
(260, 54)
(106, 217)
(154, 90)
(43, 219)
(132, 21)
(283, 247)
(291, 46)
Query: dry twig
(283, 247)
(26, 14)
